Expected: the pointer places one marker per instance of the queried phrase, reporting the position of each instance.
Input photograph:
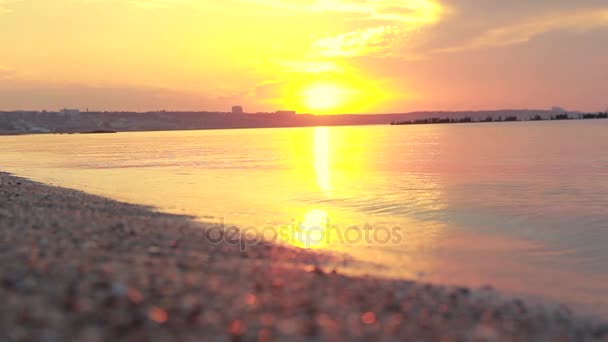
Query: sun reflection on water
(321, 156)
(311, 231)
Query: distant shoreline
(77, 264)
(490, 119)
(34, 122)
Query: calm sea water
(520, 206)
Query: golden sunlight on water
(321, 152)
(310, 233)
(335, 164)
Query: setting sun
(324, 97)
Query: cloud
(375, 40)
(402, 18)
(524, 30)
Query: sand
(85, 268)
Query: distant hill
(72, 121)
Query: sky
(313, 56)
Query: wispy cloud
(375, 40)
(524, 31)
(401, 19)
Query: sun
(324, 97)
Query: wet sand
(86, 268)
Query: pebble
(158, 315)
(368, 318)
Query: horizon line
(555, 110)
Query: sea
(521, 206)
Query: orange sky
(331, 56)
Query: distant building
(237, 110)
(286, 112)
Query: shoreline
(82, 267)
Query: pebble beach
(79, 267)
